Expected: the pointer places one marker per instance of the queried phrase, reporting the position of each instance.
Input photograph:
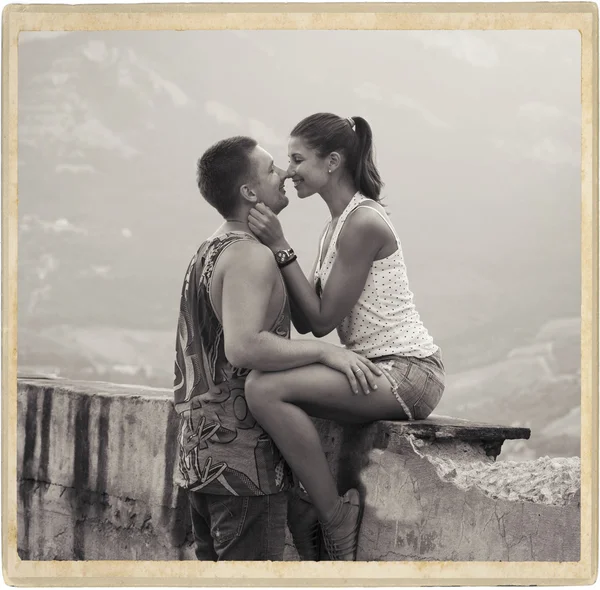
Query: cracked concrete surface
(96, 465)
(447, 500)
(433, 518)
(62, 522)
(553, 481)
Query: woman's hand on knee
(360, 371)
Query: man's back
(222, 450)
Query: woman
(359, 287)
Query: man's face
(268, 180)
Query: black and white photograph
(302, 295)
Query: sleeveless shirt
(221, 448)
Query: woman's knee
(258, 390)
(252, 385)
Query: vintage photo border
(370, 16)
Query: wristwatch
(285, 257)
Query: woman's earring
(329, 171)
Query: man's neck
(237, 221)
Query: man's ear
(248, 194)
(335, 160)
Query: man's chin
(282, 203)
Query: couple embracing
(250, 457)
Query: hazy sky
(478, 141)
(477, 137)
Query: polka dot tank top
(384, 320)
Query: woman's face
(308, 171)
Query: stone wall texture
(95, 481)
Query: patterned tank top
(384, 320)
(222, 449)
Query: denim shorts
(418, 383)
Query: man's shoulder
(238, 245)
(248, 254)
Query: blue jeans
(240, 528)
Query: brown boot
(340, 532)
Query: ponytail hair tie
(351, 121)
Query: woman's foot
(340, 531)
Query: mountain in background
(537, 385)
(477, 138)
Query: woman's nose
(283, 174)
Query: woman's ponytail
(366, 175)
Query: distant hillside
(537, 385)
(111, 125)
(477, 138)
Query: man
(235, 317)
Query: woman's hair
(326, 133)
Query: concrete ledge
(96, 464)
(95, 467)
(447, 499)
(386, 434)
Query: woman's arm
(298, 318)
(358, 244)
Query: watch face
(283, 256)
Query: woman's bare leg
(282, 402)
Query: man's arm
(248, 282)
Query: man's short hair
(222, 170)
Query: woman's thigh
(325, 393)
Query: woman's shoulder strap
(381, 214)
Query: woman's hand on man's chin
(265, 225)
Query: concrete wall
(96, 464)
(447, 500)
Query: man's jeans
(241, 528)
